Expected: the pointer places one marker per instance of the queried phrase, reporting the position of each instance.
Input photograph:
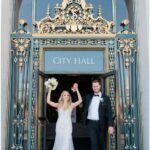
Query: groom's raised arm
(79, 101)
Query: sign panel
(74, 61)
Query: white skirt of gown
(63, 139)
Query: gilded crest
(74, 16)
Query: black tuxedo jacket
(105, 111)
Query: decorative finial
(99, 11)
(22, 22)
(125, 26)
(125, 23)
(48, 10)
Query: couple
(97, 116)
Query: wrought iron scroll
(112, 92)
(20, 52)
(128, 117)
(68, 20)
(64, 42)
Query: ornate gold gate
(73, 26)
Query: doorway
(48, 115)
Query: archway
(90, 37)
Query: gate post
(20, 53)
(128, 117)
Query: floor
(79, 144)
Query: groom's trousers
(97, 136)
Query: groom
(98, 116)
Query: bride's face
(66, 96)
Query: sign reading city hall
(73, 61)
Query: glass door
(108, 87)
(42, 120)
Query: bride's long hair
(61, 100)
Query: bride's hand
(50, 89)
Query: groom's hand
(75, 87)
(111, 130)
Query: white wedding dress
(63, 139)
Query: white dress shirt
(93, 108)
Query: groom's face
(96, 87)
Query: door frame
(103, 76)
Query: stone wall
(141, 26)
(6, 29)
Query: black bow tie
(96, 95)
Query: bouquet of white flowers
(51, 83)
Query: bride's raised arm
(79, 99)
(53, 104)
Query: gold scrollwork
(74, 16)
(21, 45)
(127, 46)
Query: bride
(63, 139)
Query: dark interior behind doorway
(80, 135)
